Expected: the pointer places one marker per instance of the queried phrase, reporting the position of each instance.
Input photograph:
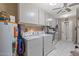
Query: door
(67, 30)
(78, 32)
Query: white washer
(34, 45)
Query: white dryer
(47, 43)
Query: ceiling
(47, 7)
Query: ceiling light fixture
(52, 4)
(50, 19)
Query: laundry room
(39, 29)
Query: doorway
(66, 30)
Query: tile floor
(62, 48)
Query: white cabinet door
(46, 18)
(41, 17)
(28, 13)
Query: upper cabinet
(32, 14)
(28, 13)
(41, 17)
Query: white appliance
(34, 44)
(47, 43)
(6, 38)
